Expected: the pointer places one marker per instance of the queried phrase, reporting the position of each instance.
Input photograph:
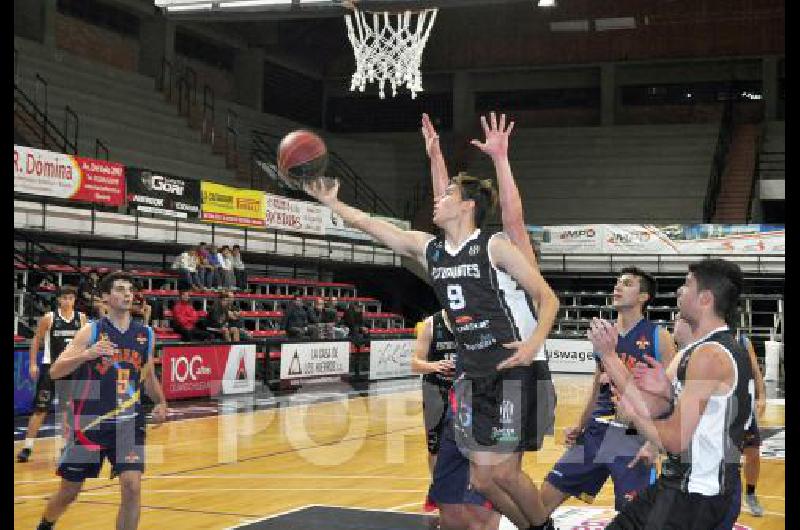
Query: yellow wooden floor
(365, 452)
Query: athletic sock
(751, 489)
(28, 443)
(44, 524)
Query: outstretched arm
(409, 243)
(496, 146)
(439, 176)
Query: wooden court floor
(367, 452)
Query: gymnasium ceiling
(483, 34)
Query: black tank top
(484, 304)
(443, 346)
(60, 335)
(711, 461)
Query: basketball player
(56, 329)
(752, 438)
(602, 445)
(460, 506)
(700, 418)
(106, 359)
(476, 277)
(434, 357)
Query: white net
(388, 48)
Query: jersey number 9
(455, 297)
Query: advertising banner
(191, 371)
(661, 239)
(298, 216)
(570, 355)
(233, 206)
(240, 368)
(160, 193)
(50, 174)
(24, 386)
(311, 359)
(390, 358)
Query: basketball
(302, 155)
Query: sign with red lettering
(39, 172)
(192, 371)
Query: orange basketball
(302, 155)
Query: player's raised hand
(496, 141)
(431, 137)
(651, 377)
(523, 356)
(323, 189)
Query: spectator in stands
(204, 268)
(185, 318)
(330, 319)
(91, 302)
(239, 270)
(353, 318)
(186, 263)
(228, 278)
(222, 320)
(295, 320)
(215, 260)
(315, 324)
(141, 311)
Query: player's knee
(131, 488)
(505, 477)
(69, 493)
(481, 479)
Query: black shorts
(505, 412)
(124, 448)
(45, 390)
(662, 507)
(752, 437)
(434, 408)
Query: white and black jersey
(485, 305)
(710, 464)
(61, 333)
(443, 347)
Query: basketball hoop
(388, 48)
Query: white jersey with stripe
(711, 461)
(485, 305)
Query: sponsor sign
(661, 239)
(283, 213)
(191, 371)
(233, 206)
(50, 174)
(390, 358)
(313, 359)
(240, 368)
(570, 355)
(163, 194)
(24, 386)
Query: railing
(69, 113)
(40, 84)
(231, 138)
(208, 129)
(719, 161)
(98, 147)
(165, 78)
(46, 129)
(754, 183)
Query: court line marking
(247, 476)
(170, 508)
(268, 517)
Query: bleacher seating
(619, 174)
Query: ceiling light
(570, 25)
(254, 3)
(188, 7)
(606, 24)
(547, 3)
